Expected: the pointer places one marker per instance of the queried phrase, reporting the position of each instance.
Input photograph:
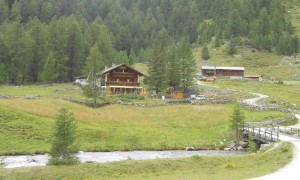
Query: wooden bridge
(269, 133)
(264, 135)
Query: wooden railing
(114, 83)
(261, 134)
(288, 131)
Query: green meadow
(27, 124)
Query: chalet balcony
(113, 83)
(123, 75)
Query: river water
(103, 157)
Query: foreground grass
(27, 127)
(238, 167)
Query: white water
(103, 157)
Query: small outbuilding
(254, 77)
(223, 71)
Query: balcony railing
(113, 83)
(123, 74)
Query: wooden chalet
(122, 79)
(223, 71)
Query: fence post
(266, 134)
(271, 135)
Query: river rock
(232, 145)
(240, 148)
(190, 148)
(263, 146)
(227, 149)
(243, 144)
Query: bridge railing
(287, 130)
(262, 134)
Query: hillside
(51, 41)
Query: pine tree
(295, 44)
(187, 65)
(3, 74)
(132, 57)
(38, 33)
(75, 42)
(58, 45)
(63, 150)
(173, 67)
(49, 73)
(93, 67)
(237, 120)
(3, 11)
(231, 48)
(15, 14)
(157, 79)
(205, 53)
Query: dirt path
(292, 170)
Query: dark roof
(117, 66)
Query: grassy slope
(258, 63)
(27, 124)
(240, 167)
(104, 129)
(279, 93)
(262, 63)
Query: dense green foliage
(124, 31)
(63, 147)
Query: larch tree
(157, 79)
(187, 65)
(236, 122)
(93, 67)
(49, 72)
(205, 53)
(64, 148)
(173, 67)
(38, 33)
(75, 42)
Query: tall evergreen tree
(205, 53)
(3, 74)
(58, 45)
(38, 33)
(49, 74)
(63, 150)
(173, 67)
(231, 49)
(15, 13)
(157, 80)
(187, 66)
(74, 49)
(3, 11)
(236, 122)
(93, 66)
